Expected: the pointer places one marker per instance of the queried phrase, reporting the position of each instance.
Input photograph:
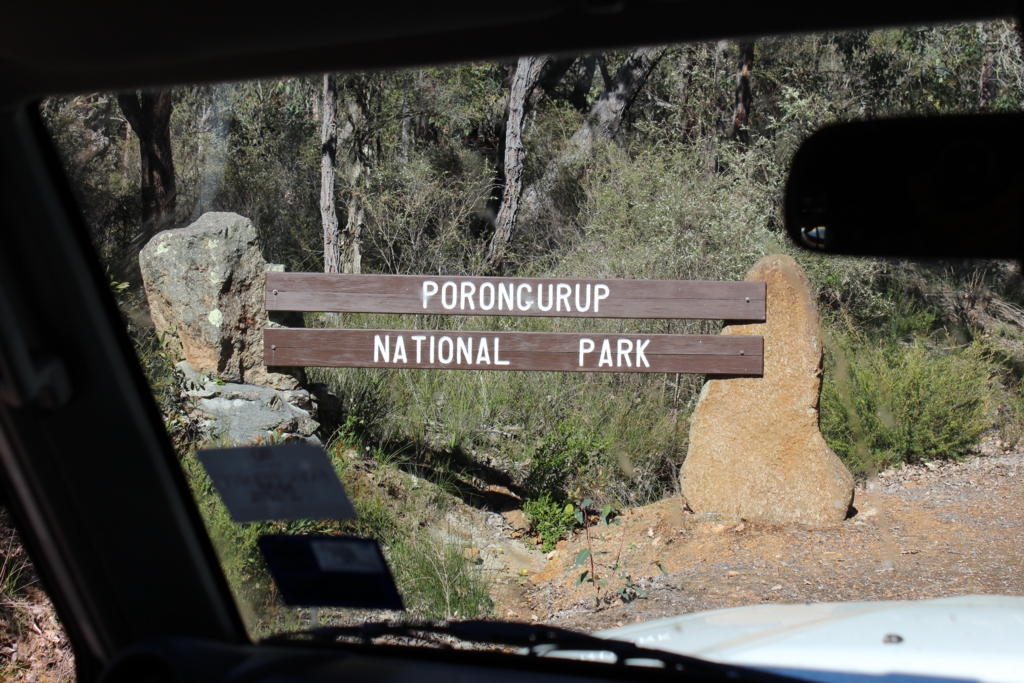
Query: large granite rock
(756, 451)
(205, 286)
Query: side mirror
(943, 187)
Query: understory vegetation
(923, 359)
(436, 580)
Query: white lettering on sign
(400, 351)
(464, 346)
(497, 352)
(444, 292)
(505, 297)
(483, 288)
(440, 350)
(564, 291)
(586, 346)
(519, 297)
(384, 347)
(625, 347)
(466, 296)
(582, 309)
(641, 344)
(429, 290)
(459, 350)
(468, 289)
(540, 297)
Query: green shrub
(913, 403)
(1011, 418)
(551, 520)
(560, 454)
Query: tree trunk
(550, 73)
(741, 111)
(606, 114)
(354, 143)
(328, 157)
(149, 115)
(356, 216)
(603, 122)
(584, 73)
(536, 91)
(987, 86)
(524, 81)
(605, 76)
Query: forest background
(663, 162)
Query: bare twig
(622, 539)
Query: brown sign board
(443, 295)
(551, 351)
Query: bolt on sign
(551, 351)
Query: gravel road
(922, 532)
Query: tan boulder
(756, 451)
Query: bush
(562, 453)
(438, 581)
(1011, 417)
(913, 403)
(551, 520)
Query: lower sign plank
(552, 351)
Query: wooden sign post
(549, 351)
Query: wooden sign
(552, 351)
(553, 297)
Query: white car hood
(978, 638)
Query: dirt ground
(33, 646)
(923, 532)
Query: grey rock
(191, 379)
(243, 412)
(205, 287)
(194, 384)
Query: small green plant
(581, 514)
(550, 519)
(629, 591)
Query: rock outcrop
(205, 287)
(244, 413)
(756, 451)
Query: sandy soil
(922, 532)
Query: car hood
(978, 637)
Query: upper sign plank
(691, 299)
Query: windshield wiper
(536, 639)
